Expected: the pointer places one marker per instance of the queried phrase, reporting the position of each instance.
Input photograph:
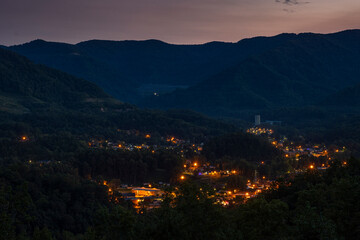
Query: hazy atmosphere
(174, 21)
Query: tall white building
(257, 120)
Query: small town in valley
(308, 157)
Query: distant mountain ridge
(122, 67)
(216, 77)
(302, 71)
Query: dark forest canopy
(52, 202)
(241, 146)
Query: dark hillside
(302, 71)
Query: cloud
(288, 10)
(291, 2)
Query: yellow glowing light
(344, 163)
(247, 194)
(147, 136)
(23, 138)
(263, 177)
(195, 164)
(182, 177)
(311, 166)
(184, 165)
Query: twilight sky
(174, 21)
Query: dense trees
(49, 198)
(46, 200)
(314, 205)
(130, 167)
(245, 152)
(242, 146)
(192, 214)
(52, 202)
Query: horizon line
(181, 44)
